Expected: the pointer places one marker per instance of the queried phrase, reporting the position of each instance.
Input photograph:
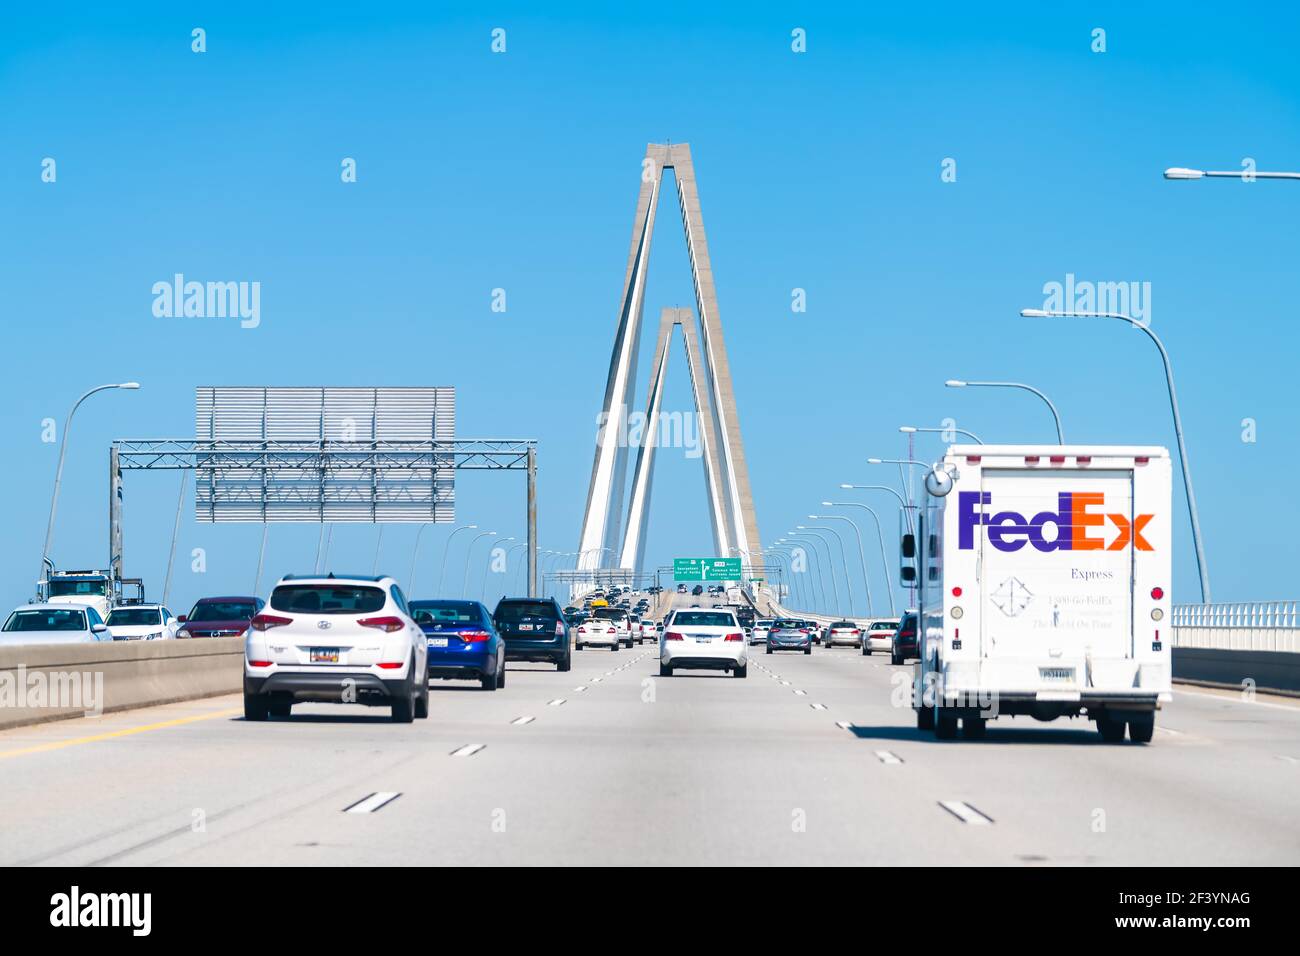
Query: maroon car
(220, 617)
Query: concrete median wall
(1273, 671)
(41, 682)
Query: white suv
(336, 639)
(707, 639)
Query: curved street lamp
(844, 558)
(58, 471)
(911, 429)
(1178, 422)
(880, 535)
(958, 383)
(464, 588)
(446, 547)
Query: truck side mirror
(908, 573)
(909, 545)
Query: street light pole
(862, 557)
(819, 580)
(830, 562)
(880, 535)
(1177, 172)
(58, 471)
(866, 580)
(446, 547)
(469, 552)
(958, 383)
(1201, 568)
(911, 429)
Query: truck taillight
(956, 592)
(264, 622)
(1157, 593)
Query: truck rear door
(1056, 563)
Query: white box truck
(1043, 580)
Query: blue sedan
(463, 642)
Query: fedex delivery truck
(1042, 575)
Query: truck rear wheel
(925, 719)
(1111, 729)
(945, 724)
(1142, 727)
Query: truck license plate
(1056, 673)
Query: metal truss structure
(731, 505)
(302, 480)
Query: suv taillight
(389, 624)
(264, 622)
(559, 628)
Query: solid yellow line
(126, 732)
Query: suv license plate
(324, 655)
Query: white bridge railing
(1257, 626)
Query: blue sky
(477, 171)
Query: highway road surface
(806, 761)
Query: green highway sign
(706, 569)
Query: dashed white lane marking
(597, 680)
(371, 803)
(523, 720)
(843, 725)
(966, 813)
(468, 750)
(555, 703)
(1167, 730)
(884, 756)
(1293, 760)
(801, 693)
(579, 690)
(785, 683)
(817, 706)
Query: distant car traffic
(789, 635)
(462, 642)
(534, 630)
(814, 629)
(142, 622)
(879, 636)
(220, 617)
(335, 639)
(697, 590)
(904, 645)
(759, 634)
(844, 632)
(60, 623)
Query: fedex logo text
(1079, 520)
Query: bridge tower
(607, 541)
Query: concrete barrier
(1273, 671)
(41, 682)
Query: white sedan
(142, 622)
(54, 624)
(705, 640)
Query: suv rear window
(433, 614)
(609, 613)
(840, 625)
(328, 598)
(884, 625)
(134, 616)
(513, 612)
